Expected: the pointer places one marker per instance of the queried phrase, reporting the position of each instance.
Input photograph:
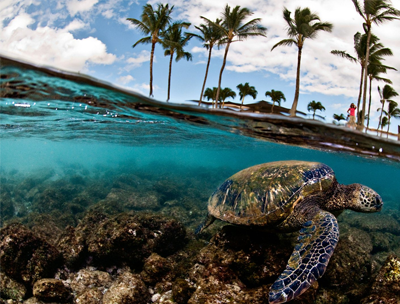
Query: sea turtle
(291, 196)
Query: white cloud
(79, 6)
(49, 46)
(125, 79)
(137, 61)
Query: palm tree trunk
(169, 75)
(242, 103)
(387, 134)
(272, 108)
(205, 77)
(360, 91)
(369, 105)
(296, 94)
(222, 69)
(380, 117)
(153, 46)
(361, 122)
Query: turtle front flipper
(308, 262)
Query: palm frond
(144, 40)
(345, 55)
(285, 42)
(359, 9)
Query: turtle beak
(378, 203)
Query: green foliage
(304, 25)
(233, 26)
(276, 96)
(315, 106)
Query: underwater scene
(103, 194)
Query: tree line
(157, 26)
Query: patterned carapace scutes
(267, 193)
(291, 196)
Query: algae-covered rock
(386, 287)
(52, 290)
(131, 238)
(127, 289)
(89, 278)
(10, 289)
(239, 265)
(154, 268)
(25, 257)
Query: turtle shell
(266, 194)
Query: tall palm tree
(386, 94)
(374, 70)
(315, 106)
(376, 51)
(393, 111)
(373, 11)
(304, 25)
(233, 26)
(244, 90)
(226, 93)
(152, 23)
(210, 36)
(338, 118)
(276, 96)
(173, 42)
(211, 94)
(384, 122)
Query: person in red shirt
(352, 112)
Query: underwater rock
(349, 269)
(182, 290)
(239, 265)
(386, 287)
(128, 288)
(374, 222)
(90, 296)
(384, 241)
(131, 238)
(7, 206)
(50, 199)
(154, 268)
(25, 257)
(10, 289)
(45, 227)
(52, 290)
(89, 279)
(72, 246)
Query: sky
(93, 37)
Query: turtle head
(366, 199)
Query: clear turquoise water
(75, 121)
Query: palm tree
(338, 118)
(276, 96)
(304, 25)
(315, 106)
(386, 94)
(233, 26)
(152, 23)
(173, 42)
(211, 94)
(226, 93)
(244, 90)
(384, 122)
(373, 11)
(210, 36)
(373, 73)
(376, 51)
(393, 111)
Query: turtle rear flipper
(207, 222)
(308, 262)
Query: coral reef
(125, 235)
